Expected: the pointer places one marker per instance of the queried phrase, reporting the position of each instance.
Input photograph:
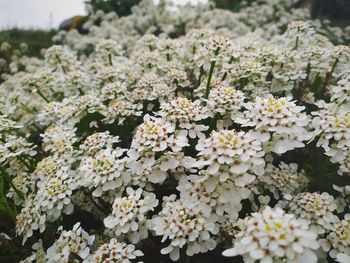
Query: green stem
(201, 71)
(224, 76)
(334, 65)
(4, 205)
(9, 181)
(210, 75)
(211, 70)
(42, 96)
(296, 43)
(110, 60)
(53, 92)
(64, 69)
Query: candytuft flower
(272, 236)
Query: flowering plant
(180, 134)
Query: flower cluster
(339, 240)
(239, 150)
(116, 252)
(316, 208)
(225, 100)
(284, 179)
(331, 124)
(157, 135)
(129, 214)
(184, 225)
(279, 116)
(183, 112)
(179, 131)
(72, 243)
(103, 171)
(29, 219)
(274, 236)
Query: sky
(44, 14)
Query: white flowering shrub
(186, 134)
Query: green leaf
(4, 205)
(9, 181)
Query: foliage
(36, 40)
(189, 134)
(233, 5)
(121, 7)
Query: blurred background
(35, 22)
(48, 14)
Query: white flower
(169, 162)
(157, 135)
(75, 241)
(107, 49)
(13, 147)
(185, 114)
(98, 141)
(223, 197)
(280, 116)
(38, 255)
(149, 169)
(113, 90)
(215, 48)
(274, 236)
(225, 100)
(116, 252)
(55, 185)
(344, 163)
(51, 166)
(59, 139)
(316, 208)
(332, 125)
(283, 179)
(231, 227)
(70, 110)
(61, 57)
(299, 34)
(29, 219)
(120, 108)
(104, 171)
(54, 195)
(181, 102)
(129, 214)
(145, 168)
(185, 225)
(343, 198)
(7, 124)
(24, 184)
(343, 258)
(239, 150)
(341, 91)
(339, 240)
